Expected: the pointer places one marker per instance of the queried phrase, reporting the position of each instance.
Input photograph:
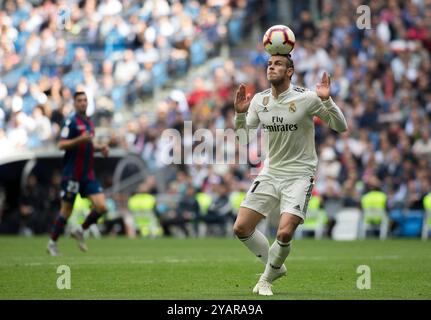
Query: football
(279, 39)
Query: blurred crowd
(118, 52)
(380, 78)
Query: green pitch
(212, 269)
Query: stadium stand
(121, 52)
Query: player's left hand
(323, 89)
(105, 150)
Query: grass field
(212, 269)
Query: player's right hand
(86, 137)
(242, 100)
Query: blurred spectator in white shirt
(422, 146)
(126, 69)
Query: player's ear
(289, 72)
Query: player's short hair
(78, 93)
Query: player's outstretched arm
(245, 115)
(326, 109)
(66, 144)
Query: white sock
(277, 255)
(258, 244)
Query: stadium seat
(397, 216)
(119, 95)
(373, 217)
(114, 42)
(235, 28)
(32, 77)
(160, 74)
(426, 223)
(20, 15)
(197, 53)
(409, 223)
(34, 142)
(142, 207)
(73, 78)
(178, 67)
(412, 226)
(28, 104)
(20, 41)
(347, 224)
(13, 76)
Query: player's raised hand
(323, 89)
(242, 100)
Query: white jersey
(288, 124)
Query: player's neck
(82, 115)
(279, 89)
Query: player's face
(81, 103)
(277, 71)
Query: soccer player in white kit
(285, 113)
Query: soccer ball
(279, 39)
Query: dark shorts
(70, 188)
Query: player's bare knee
(66, 210)
(101, 209)
(241, 230)
(285, 235)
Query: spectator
(422, 146)
(31, 209)
(188, 209)
(42, 126)
(127, 69)
(220, 211)
(166, 210)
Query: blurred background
(151, 65)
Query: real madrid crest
(265, 100)
(292, 107)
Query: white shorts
(268, 193)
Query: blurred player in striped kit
(78, 173)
